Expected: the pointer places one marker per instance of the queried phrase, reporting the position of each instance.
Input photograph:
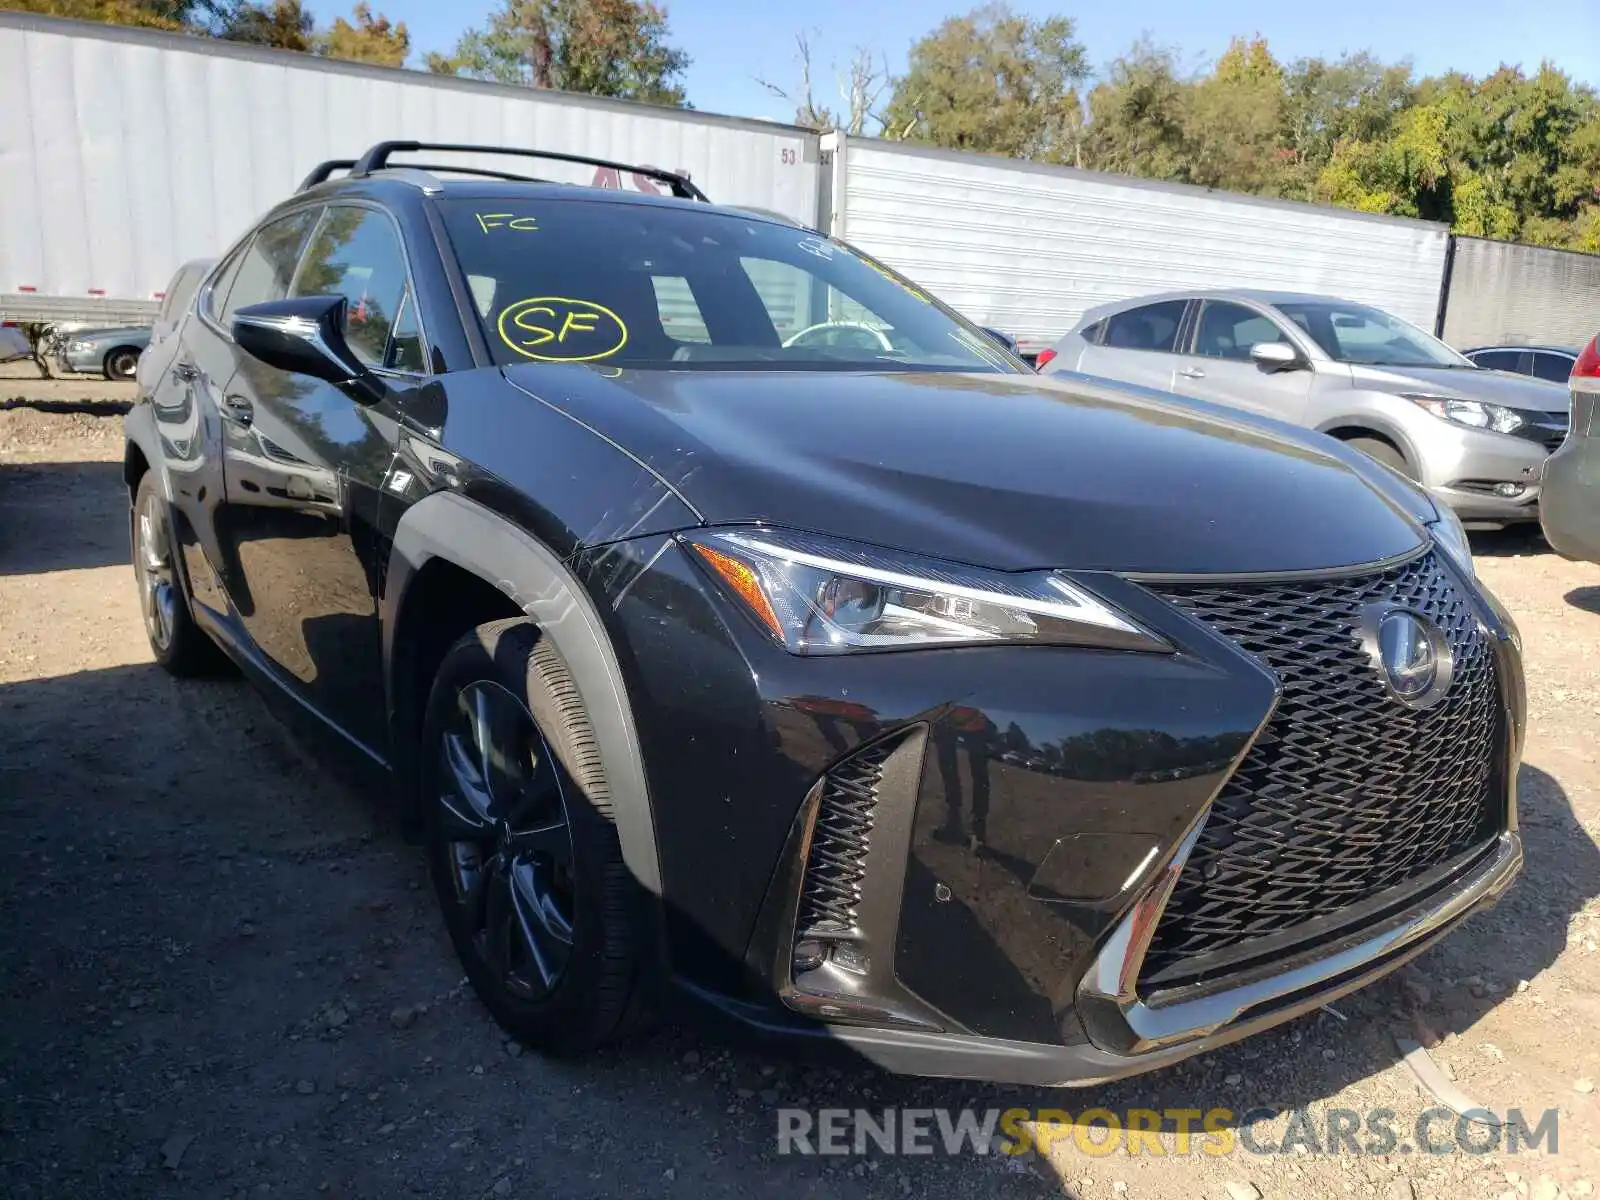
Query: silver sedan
(113, 353)
(1476, 439)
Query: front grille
(830, 894)
(1347, 792)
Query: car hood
(1007, 471)
(127, 336)
(1492, 387)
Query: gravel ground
(221, 973)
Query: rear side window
(1557, 368)
(1498, 360)
(355, 253)
(1094, 333)
(1152, 327)
(268, 263)
(1229, 330)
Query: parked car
(1570, 512)
(1551, 363)
(113, 353)
(157, 357)
(897, 698)
(1476, 440)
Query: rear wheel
(177, 643)
(122, 363)
(1384, 452)
(524, 855)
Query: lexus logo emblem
(1410, 653)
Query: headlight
(1451, 536)
(1473, 413)
(78, 347)
(818, 596)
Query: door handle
(185, 372)
(1192, 373)
(237, 408)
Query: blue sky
(732, 41)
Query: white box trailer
(125, 152)
(1027, 248)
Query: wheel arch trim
(1375, 426)
(449, 526)
(139, 432)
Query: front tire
(122, 364)
(544, 915)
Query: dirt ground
(221, 974)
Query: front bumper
(1040, 805)
(80, 363)
(1462, 467)
(1185, 1030)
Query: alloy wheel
(503, 821)
(152, 559)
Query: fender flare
(139, 429)
(449, 526)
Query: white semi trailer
(125, 152)
(1028, 248)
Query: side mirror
(1005, 339)
(1275, 356)
(306, 336)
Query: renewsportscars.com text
(1173, 1131)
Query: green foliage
(1138, 115)
(371, 39)
(280, 24)
(1508, 157)
(993, 80)
(602, 47)
(152, 14)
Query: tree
(994, 81)
(1233, 122)
(154, 14)
(807, 112)
(1356, 96)
(1138, 116)
(370, 39)
(280, 24)
(1508, 157)
(602, 47)
(860, 88)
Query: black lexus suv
(737, 624)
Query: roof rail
(321, 172)
(377, 158)
(486, 173)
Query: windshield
(1354, 333)
(557, 280)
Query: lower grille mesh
(831, 892)
(1347, 792)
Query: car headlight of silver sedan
(819, 596)
(1473, 413)
(76, 347)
